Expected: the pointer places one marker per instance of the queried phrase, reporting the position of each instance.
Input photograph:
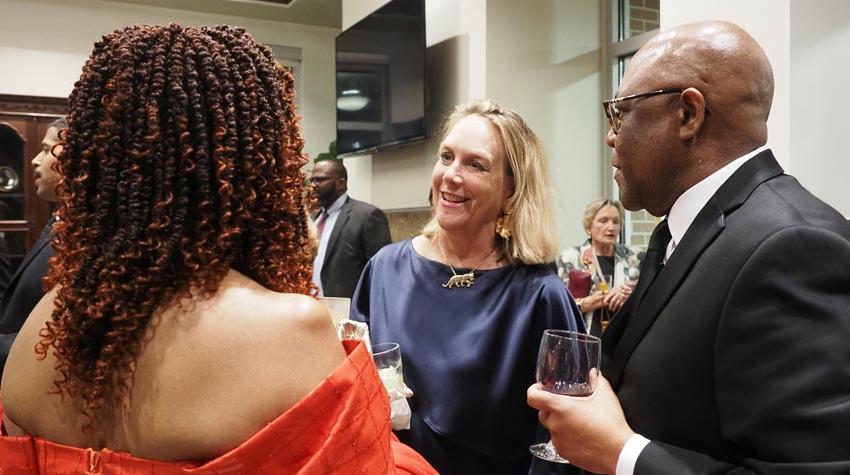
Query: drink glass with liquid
(387, 358)
(568, 364)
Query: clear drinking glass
(567, 363)
(387, 358)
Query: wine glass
(567, 363)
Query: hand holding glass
(567, 363)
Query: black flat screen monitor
(380, 79)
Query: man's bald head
(723, 62)
(666, 143)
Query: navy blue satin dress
(468, 353)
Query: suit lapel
(636, 319)
(700, 235)
(612, 335)
(344, 214)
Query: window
(627, 24)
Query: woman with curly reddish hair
(179, 332)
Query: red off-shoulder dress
(341, 427)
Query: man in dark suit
(25, 288)
(732, 354)
(350, 232)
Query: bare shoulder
(26, 378)
(210, 374)
(215, 375)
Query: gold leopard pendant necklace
(461, 280)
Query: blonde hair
(595, 206)
(533, 237)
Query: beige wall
(820, 39)
(545, 62)
(43, 45)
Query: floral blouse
(626, 264)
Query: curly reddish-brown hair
(183, 159)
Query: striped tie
(320, 224)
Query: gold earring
(503, 226)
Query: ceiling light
(351, 100)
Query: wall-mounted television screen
(380, 79)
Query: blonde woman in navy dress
(469, 298)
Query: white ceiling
(307, 12)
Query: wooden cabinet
(23, 123)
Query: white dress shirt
(689, 203)
(333, 213)
(680, 218)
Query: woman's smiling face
(469, 180)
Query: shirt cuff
(630, 453)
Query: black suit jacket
(23, 293)
(737, 357)
(359, 232)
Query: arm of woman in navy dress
(558, 308)
(360, 301)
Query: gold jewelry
(601, 284)
(460, 280)
(503, 226)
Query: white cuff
(630, 453)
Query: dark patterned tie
(654, 259)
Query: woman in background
(600, 273)
(179, 332)
(469, 298)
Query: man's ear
(691, 113)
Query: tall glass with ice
(388, 360)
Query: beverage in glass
(568, 364)
(387, 358)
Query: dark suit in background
(359, 232)
(23, 293)
(5, 266)
(737, 354)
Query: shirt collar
(689, 203)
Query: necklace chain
(461, 280)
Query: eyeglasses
(615, 118)
(321, 179)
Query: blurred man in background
(25, 288)
(350, 232)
